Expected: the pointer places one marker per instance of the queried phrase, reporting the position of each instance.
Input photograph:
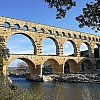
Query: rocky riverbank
(77, 78)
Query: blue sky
(38, 11)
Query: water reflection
(61, 90)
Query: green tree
(4, 52)
(89, 17)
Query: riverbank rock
(34, 77)
(78, 78)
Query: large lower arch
(87, 65)
(71, 66)
(72, 46)
(49, 46)
(31, 66)
(29, 37)
(56, 68)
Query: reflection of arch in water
(87, 65)
(71, 66)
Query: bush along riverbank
(77, 78)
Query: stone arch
(87, 65)
(80, 37)
(86, 53)
(72, 66)
(85, 38)
(63, 34)
(89, 38)
(32, 67)
(69, 35)
(16, 26)
(74, 36)
(55, 42)
(25, 27)
(56, 69)
(56, 33)
(7, 24)
(96, 39)
(30, 38)
(74, 47)
(93, 39)
(49, 32)
(41, 30)
(34, 29)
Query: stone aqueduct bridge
(37, 33)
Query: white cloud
(66, 46)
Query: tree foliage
(89, 17)
(4, 51)
(22, 65)
(62, 6)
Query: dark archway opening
(96, 51)
(66, 68)
(51, 66)
(47, 68)
(71, 66)
(87, 65)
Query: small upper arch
(7, 24)
(69, 35)
(25, 27)
(93, 39)
(42, 30)
(96, 39)
(56, 33)
(49, 32)
(63, 34)
(34, 29)
(16, 26)
(85, 37)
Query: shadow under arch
(56, 44)
(74, 48)
(29, 37)
(71, 66)
(87, 52)
(55, 67)
(87, 65)
(31, 66)
(96, 50)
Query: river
(61, 90)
